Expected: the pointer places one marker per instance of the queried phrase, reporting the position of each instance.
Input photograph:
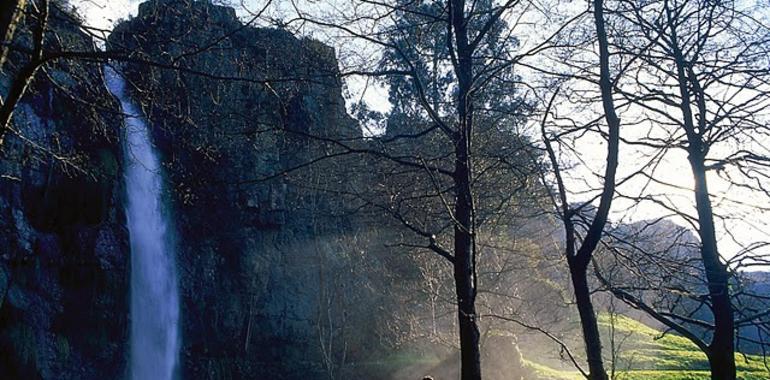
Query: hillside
(646, 353)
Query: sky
(746, 224)
(103, 13)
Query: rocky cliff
(266, 255)
(63, 255)
(236, 110)
(279, 278)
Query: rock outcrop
(278, 278)
(64, 255)
(236, 111)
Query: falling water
(154, 295)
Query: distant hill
(760, 281)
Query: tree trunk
(579, 261)
(722, 348)
(588, 322)
(722, 363)
(10, 15)
(24, 76)
(470, 355)
(465, 262)
(463, 271)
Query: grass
(545, 372)
(646, 354)
(550, 374)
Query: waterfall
(154, 294)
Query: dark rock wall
(232, 119)
(63, 247)
(278, 279)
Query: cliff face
(64, 255)
(265, 260)
(232, 120)
(277, 280)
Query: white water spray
(154, 294)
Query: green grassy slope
(646, 354)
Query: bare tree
(579, 250)
(702, 78)
(10, 15)
(446, 84)
(23, 77)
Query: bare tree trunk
(24, 76)
(722, 365)
(10, 15)
(464, 265)
(579, 261)
(721, 351)
(18, 88)
(588, 322)
(464, 271)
